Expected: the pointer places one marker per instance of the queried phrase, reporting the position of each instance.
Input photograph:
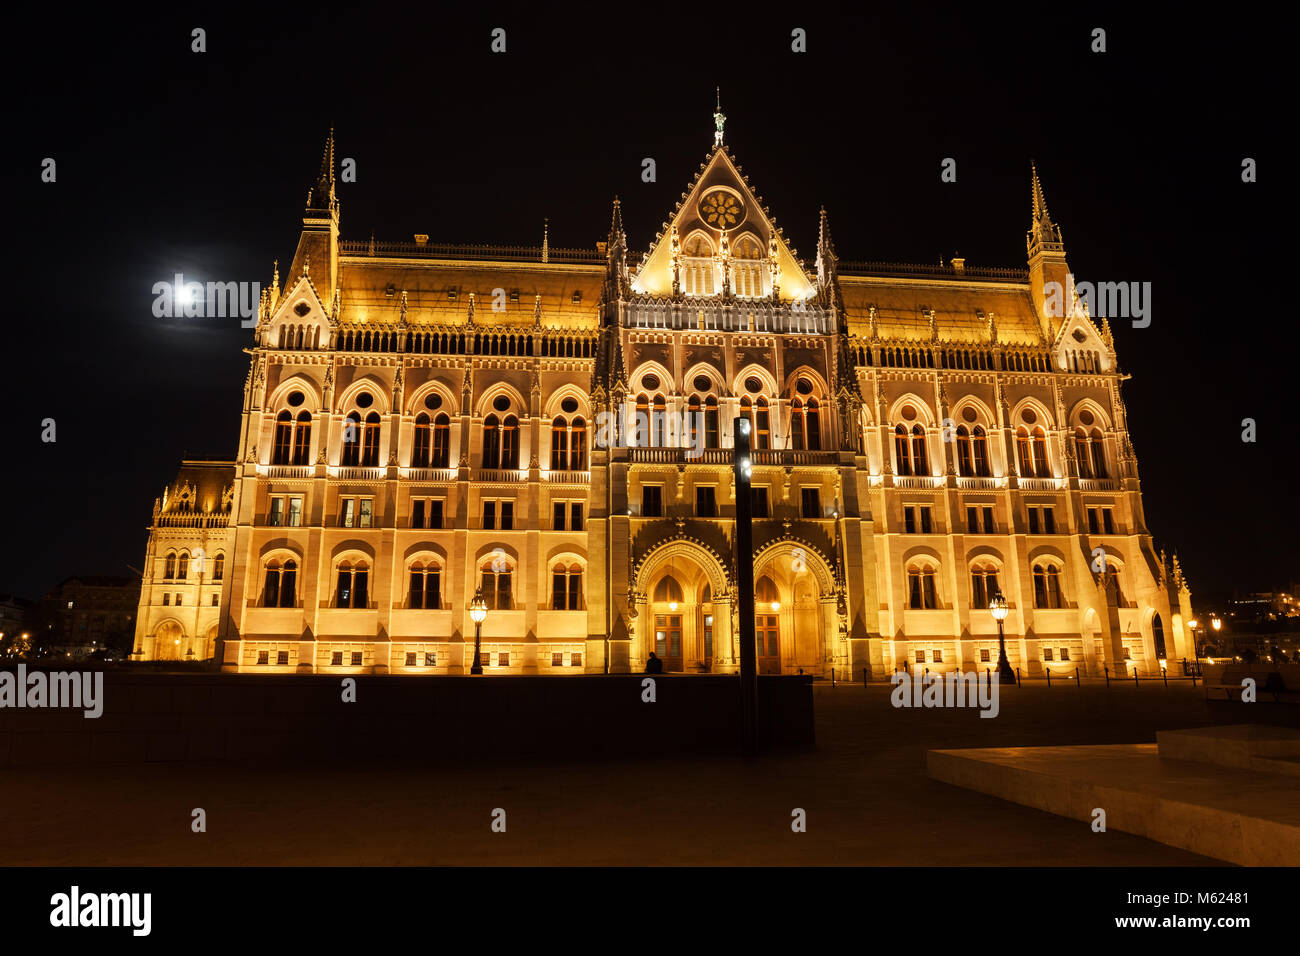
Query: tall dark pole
(745, 585)
(477, 666)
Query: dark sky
(170, 161)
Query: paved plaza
(865, 790)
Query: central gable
(720, 202)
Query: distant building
(553, 428)
(13, 616)
(89, 614)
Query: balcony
(971, 483)
(1098, 484)
(918, 481)
(286, 471)
(500, 476)
(430, 474)
(568, 477)
(1039, 484)
(354, 473)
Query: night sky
(170, 161)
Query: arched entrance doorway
(794, 611)
(681, 582)
(167, 641)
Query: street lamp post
(478, 614)
(999, 609)
(1196, 650)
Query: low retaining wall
(238, 717)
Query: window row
(922, 591)
(424, 585)
(176, 566)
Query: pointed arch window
(182, 565)
(797, 424)
(980, 451)
(283, 448)
(920, 456)
(711, 438)
(1024, 456)
(902, 451)
(510, 442)
(441, 441)
(1098, 454)
(420, 452)
(169, 566)
(218, 567)
(370, 441)
(694, 422)
(1042, 467)
(491, 442)
(559, 444)
(352, 439)
(641, 426)
(762, 424)
(302, 439)
(965, 460)
(659, 422)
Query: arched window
(641, 427)
(694, 422)
(980, 451)
(983, 586)
(353, 585)
(423, 442)
(182, 565)
(566, 587)
(352, 439)
(668, 591)
(495, 580)
(1024, 457)
(1047, 586)
(578, 445)
(370, 447)
(282, 450)
(169, 566)
(559, 445)
(218, 567)
(965, 465)
(491, 442)
(1082, 453)
(441, 441)
(796, 424)
(711, 439)
(920, 458)
(1042, 468)
(659, 422)
(814, 426)
(1114, 594)
(280, 584)
(921, 592)
(902, 451)
(302, 439)
(1098, 454)
(762, 424)
(426, 586)
(510, 442)
(1158, 636)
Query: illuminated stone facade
(554, 427)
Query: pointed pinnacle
(1037, 199)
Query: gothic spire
(1043, 234)
(321, 196)
(616, 235)
(719, 119)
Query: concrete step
(1240, 815)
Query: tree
(1248, 655)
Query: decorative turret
(319, 239)
(719, 119)
(1047, 263)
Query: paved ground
(865, 790)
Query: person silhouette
(654, 665)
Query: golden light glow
(776, 606)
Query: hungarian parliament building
(547, 433)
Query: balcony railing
(1098, 484)
(569, 477)
(185, 519)
(1039, 484)
(286, 471)
(430, 474)
(918, 481)
(980, 483)
(499, 476)
(353, 473)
